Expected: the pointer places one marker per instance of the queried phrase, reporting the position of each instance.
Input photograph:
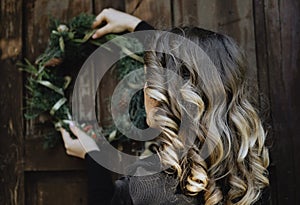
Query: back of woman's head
(212, 137)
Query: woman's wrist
(143, 26)
(133, 23)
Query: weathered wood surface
(99, 5)
(11, 100)
(51, 186)
(263, 83)
(59, 188)
(277, 31)
(54, 159)
(36, 35)
(231, 17)
(157, 13)
(267, 30)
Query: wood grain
(264, 88)
(157, 13)
(11, 120)
(282, 27)
(55, 159)
(268, 30)
(59, 188)
(99, 5)
(234, 18)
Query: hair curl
(215, 102)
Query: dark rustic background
(267, 29)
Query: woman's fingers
(99, 19)
(102, 31)
(114, 21)
(66, 137)
(77, 132)
(78, 147)
(86, 141)
(73, 146)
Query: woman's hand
(116, 22)
(80, 146)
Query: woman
(212, 98)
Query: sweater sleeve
(142, 26)
(101, 189)
(100, 185)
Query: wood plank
(11, 120)
(282, 19)
(59, 188)
(263, 84)
(281, 156)
(157, 13)
(99, 5)
(37, 13)
(290, 30)
(105, 92)
(234, 18)
(55, 159)
(185, 12)
(261, 55)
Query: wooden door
(31, 174)
(266, 29)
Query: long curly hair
(214, 102)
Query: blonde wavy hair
(215, 104)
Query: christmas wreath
(49, 82)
